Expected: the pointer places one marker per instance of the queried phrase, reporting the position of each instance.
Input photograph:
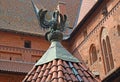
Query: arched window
(93, 54)
(118, 29)
(107, 64)
(106, 51)
(109, 53)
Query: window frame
(27, 44)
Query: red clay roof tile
(12, 66)
(59, 71)
(21, 18)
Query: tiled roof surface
(18, 15)
(60, 71)
(85, 8)
(12, 66)
(58, 65)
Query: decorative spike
(36, 10)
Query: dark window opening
(93, 54)
(85, 33)
(118, 29)
(107, 52)
(107, 64)
(110, 53)
(27, 44)
(10, 58)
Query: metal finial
(56, 24)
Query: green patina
(56, 51)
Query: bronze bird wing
(40, 16)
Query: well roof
(60, 71)
(61, 67)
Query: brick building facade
(95, 40)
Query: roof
(84, 9)
(60, 71)
(58, 52)
(20, 16)
(58, 65)
(17, 67)
(82, 20)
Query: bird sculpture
(57, 21)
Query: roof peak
(56, 51)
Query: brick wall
(8, 77)
(94, 26)
(12, 48)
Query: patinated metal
(56, 26)
(56, 51)
(57, 21)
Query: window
(109, 53)
(106, 51)
(108, 58)
(93, 54)
(27, 44)
(85, 33)
(118, 29)
(10, 58)
(107, 64)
